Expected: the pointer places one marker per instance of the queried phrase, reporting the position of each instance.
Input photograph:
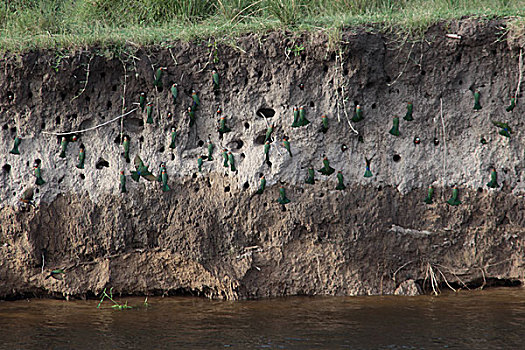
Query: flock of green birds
(299, 120)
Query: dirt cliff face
(211, 235)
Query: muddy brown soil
(211, 235)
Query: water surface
(492, 319)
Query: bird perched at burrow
(324, 124)
(340, 184)
(358, 114)
(231, 159)
(174, 92)
(286, 144)
(262, 185)
(512, 104)
(477, 105)
(326, 169)
(57, 274)
(173, 138)
(310, 179)
(454, 199)
(267, 152)
(302, 117)
(505, 128)
(269, 132)
(295, 122)
(225, 157)
(215, 79)
(493, 183)
(211, 147)
(395, 126)
(81, 156)
(408, 115)
(123, 182)
(199, 163)
(63, 147)
(430, 195)
(141, 170)
(142, 101)
(222, 128)
(38, 174)
(27, 196)
(125, 145)
(17, 142)
(164, 177)
(368, 173)
(191, 114)
(149, 113)
(157, 82)
(282, 197)
(162, 165)
(195, 98)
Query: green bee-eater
(430, 194)
(211, 147)
(123, 182)
(191, 114)
(477, 105)
(512, 104)
(311, 176)
(199, 163)
(164, 176)
(302, 117)
(269, 132)
(173, 138)
(505, 128)
(454, 199)
(295, 123)
(57, 274)
(215, 79)
(63, 148)
(282, 197)
(324, 124)
(195, 98)
(141, 170)
(222, 129)
(493, 179)
(395, 126)
(358, 114)
(262, 185)
(162, 166)
(149, 113)
(125, 145)
(81, 157)
(38, 174)
(27, 196)
(340, 184)
(174, 92)
(267, 152)
(225, 157)
(142, 101)
(368, 173)
(326, 169)
(157, 82)
(231, 159)
(286, 144)
(408, 115)
(17, 142)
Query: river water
(491, 319)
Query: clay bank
(211, 234)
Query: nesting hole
(101, 163)
(62, 95)
(236, 144)
(325, 68)
(265, 112)
(109, 104)
(43, 125)
(246, 185)
(246, 125)
(13, 129)
(114, 88)
(5, 127)
(312, 104)
(374, 105)
(227, 189)
(396, 158)
(200, 143)
(161, 149)
(141, 139)
(82, 176)
(57, 120)
(243, 155)
(10, 96)
(194, 176)
(480, 189)
(172, 156)
(6, 167)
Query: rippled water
(493, 319)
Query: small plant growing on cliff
(295, 49)
(116, 305)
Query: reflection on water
(493, 319)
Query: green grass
(29, 24)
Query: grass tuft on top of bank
(30, 24)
